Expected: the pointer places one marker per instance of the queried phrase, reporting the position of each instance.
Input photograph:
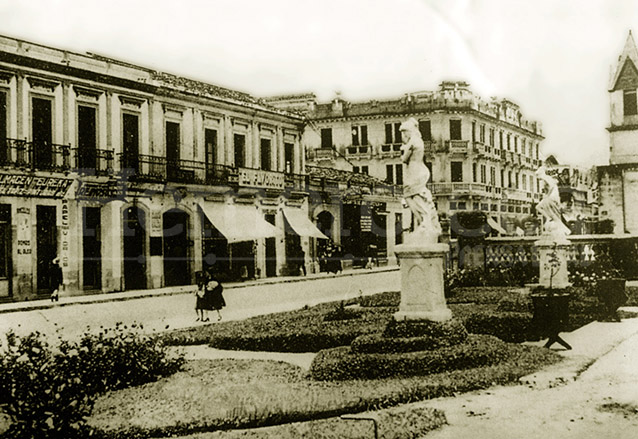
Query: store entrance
(176, 244)
(6, 261)
(133, 236)
(91, 248)
(46, 246)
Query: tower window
(630, 105)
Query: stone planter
(551, 312)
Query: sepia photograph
(337, 219)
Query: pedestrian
(213, 298)
(302, 262)
(200, 293)
(57, 282)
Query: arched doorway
(176, 244)
(324, 223)
(134, 238)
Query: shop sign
(261, 179)
(29, 186)
(366, 223)
(101, 191)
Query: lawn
(224, 395)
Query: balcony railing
(296, 182)
(449, 188)
(93, 161)
(220, 174)
(39, 155)
(320, 154)
(358, 150)
(457, 145)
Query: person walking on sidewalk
(56, 279)
(213, 298)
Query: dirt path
(601, 403)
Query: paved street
(160, 309)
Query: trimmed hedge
(370, 344)
(514, 327)
(411, 328)
(344, 364)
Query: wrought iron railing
(93, 161)
(38, 155)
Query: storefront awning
(496, 226)
(238, 222)
(301, 224)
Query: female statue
(416, 194)
(549, 206)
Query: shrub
(380, 344)
(513, 327)
(344, 364)
(341, 313)
(48, 391)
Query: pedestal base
(556, 275)
(422, 296)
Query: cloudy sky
(552, 57)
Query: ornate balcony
(359, 150)
(35, 156)
(93, 161)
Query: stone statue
(417, 196)
(549, 206)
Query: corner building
(482, 154)
(138, 179)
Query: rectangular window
(473, 131)
(531, 183)
(492, 176)
(462, 205)
(130, 142)
(389, 173)
(364, 170)
(289, 156)
(474, 172)
(398, 228)
(210, 141)
(355, 169)
(456, 171)
(452, 205)
(239, 145)
(42, 132)
(393, 133)
(509, 142)
(426, 130)
(87, 137)
(491, 136)
(483, 174)
(482, 133)
(399, 173)
(455, 129)
(524, 181)
(502, 178)
(266, 155)
(172, 149)
(516, 144)
(500, 140)
(359, 135)
(629, 102)
(326, 138)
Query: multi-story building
(578, 194)
(618, 181)
(136, 178)
(482, 154)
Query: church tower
(623, 129)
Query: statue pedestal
(422, 296)
(546, 245)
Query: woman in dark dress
(213, 298)
(200, 294)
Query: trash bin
(611, 294)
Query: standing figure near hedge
(550, 207)
(213, 298)
(200, 293)
(417, 196)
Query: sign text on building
(261, 179)
(30, 186)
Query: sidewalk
(40, 304)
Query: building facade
(482, 154)
(138, 179)
(618, 181)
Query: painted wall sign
(101, 191)
(65, 233)
(261, 179)
(29, 186)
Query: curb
(119, 296)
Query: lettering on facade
(24, 247)
(29, 186)
(261, 179)
(156, 223)
(64, 226)
(100, 191)
(24, 210)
